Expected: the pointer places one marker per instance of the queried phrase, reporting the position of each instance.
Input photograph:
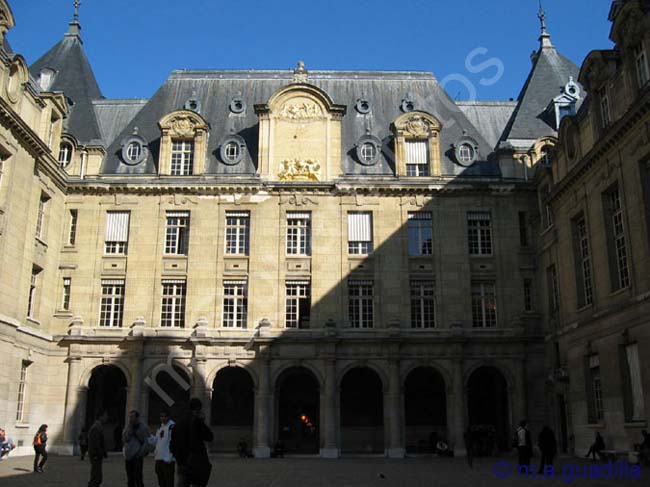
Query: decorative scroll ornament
(301, 111)
(299, 170)
(182, 126)
(419, 127)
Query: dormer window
(65, 154)
(183, 144)
(417, 144)
(641, 62)
(368, 150)
(46, 78)
(182, 157)
(134, 151)
(417, 158)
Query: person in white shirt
(165, 462)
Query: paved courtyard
(304, 472)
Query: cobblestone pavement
(308, 472)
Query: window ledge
(358, 256)
(548, 229)
(481, 256)
(174, 256)
(63, 314)
(641, 423)
(236, 256)
(619, 291)
(585, 308)
(33, 321)
(597, 426)
(115, 256)
(22, 425)
(69, 249)
(41, 241)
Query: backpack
(38, 441)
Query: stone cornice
(33, 143)
(609, 140)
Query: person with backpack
(135, 441)
(40, 443)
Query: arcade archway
(362, 412)
(425, 409)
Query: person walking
(469, 446)
(597, 447)
(96, 451)
(83, 442)
(548, 446)
(188, 447)
(135, 441)
(40, 452)
(524, 444)
(165, 462)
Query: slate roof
(550, 73)
(489, 117)
(384, 90)
(113, 115)
(76, 79)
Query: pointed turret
(550, 73)
(65, 68)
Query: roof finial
(545, 37)
(77, 4)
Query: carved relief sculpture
(299, 170)
(419, 127)
(301, 111)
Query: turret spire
(75, 28)
(545, 37)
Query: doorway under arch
(362, 412)
(488, 410)
(174, 390)
(107, 390)
(232, 409)
(298, 411)
(425, 409)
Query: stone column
(262, 410)
(72, 412)
(395, 400)
(135, 399)
(519, 396)
(457, 424)
(330, 431)
(199, 386)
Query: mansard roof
(489, 117)
(115, 114)
(75, 77)
(384, 91)
(550, 73)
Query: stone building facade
(341, 261)
(594, 246)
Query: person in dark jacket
(188, 447)
(524, 444)
(96, 451)
(83, 442)
(40, 443)
(548, 446)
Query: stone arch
(373, 365)
(504, 369)
(164, 366)
(277, 373)
(168, 387)
(209, 379)
(84, 377)
(414, 364)
(277, 101)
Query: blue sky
(133, 45)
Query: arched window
(65, 154)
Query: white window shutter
(117, 226)
(359, 227)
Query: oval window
(134, 151)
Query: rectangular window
(605, 117)
(523, 229)
(182, 163)
(298, 233)
(173, 304)
(112, 305)
(177, 232)
(616, 242)
(420, 233)
(553, 290)
(635, 383)
(423, 304)
(298, 304)
(3, 158)
(546, 210)
(237, 232)
(235, 304)
(594, 390)
(582, 261)
(528, 295)
(361, 304)
(117, 232)
(359, 233)
(67, 286)
(641, 62)
(479, 232)
(417, 158)
(31, 299)
(40, 218)
(22, 393)
(72, 227)
(484, 305)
